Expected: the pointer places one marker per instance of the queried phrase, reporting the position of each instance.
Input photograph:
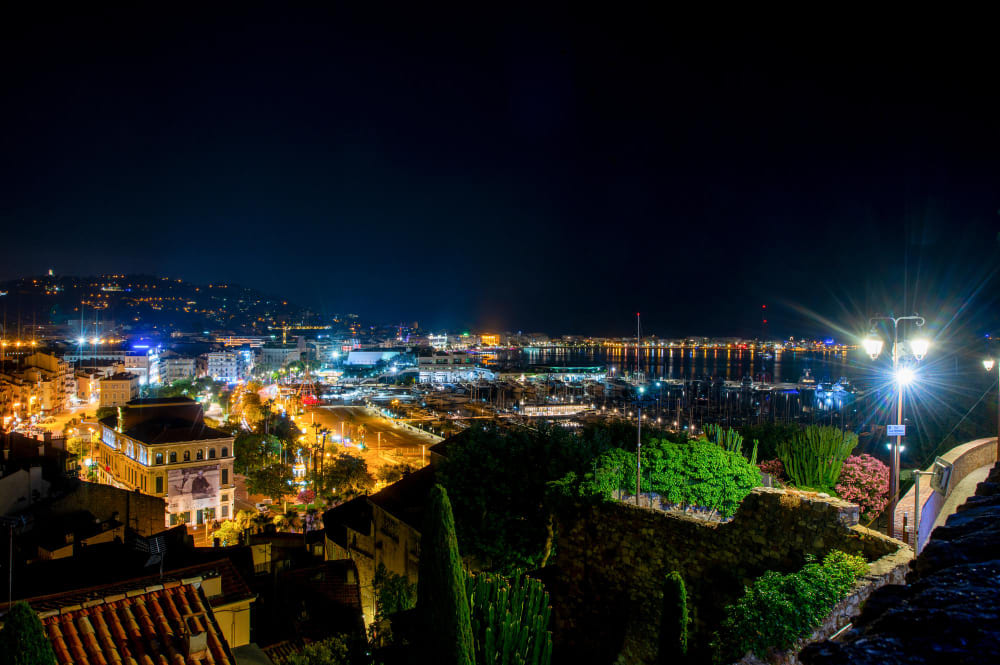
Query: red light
(765, 320)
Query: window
(159, 458)
(159, 484)
(224, 498)
(225, 511)
(225, 452)
(187, 455)
(173, 457)
(211, 453)
(225, 476)
(200, 454)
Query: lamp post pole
(988, 364)
(898, 442)
(638, 448)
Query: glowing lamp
(873, 346)
(904, 376)
(920, 347)
(988, 364)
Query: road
(386, 442)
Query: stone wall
(611, 560)
(144, 513)
(949, 612)
(890, 569)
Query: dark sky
(538, 172)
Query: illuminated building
(162, 447)
(450, 368)
(118, 389)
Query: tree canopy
(343, 477)
(23, 640)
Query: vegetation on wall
(779, 609)
(674, 620)
(698, 473)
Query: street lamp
(988, 365)
(903, 377)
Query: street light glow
(905, 376)
(920, 347)
(873, 346)
(988, 364)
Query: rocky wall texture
(612, 558)
(949, 611)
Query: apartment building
(162, 447)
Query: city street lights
(903, 376)
(988, 365)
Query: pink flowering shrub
(774, 468)
(306, 496)
(865, 481)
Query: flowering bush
(865, 481)
(306, 496)
(774, 468)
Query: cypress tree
(23, 640)
(674, 620)
(441, 596)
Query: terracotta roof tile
(145, 629)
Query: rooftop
(152, 625)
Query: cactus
(510, 619)
(753, 455)
(728, 438)
(815, 456)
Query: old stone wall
(144, 513)
(890, 569)
(949, 610)
(612, 559)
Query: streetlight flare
(905, 376)
(873, 346)
(920, 347)
(988, 364)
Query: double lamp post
(903, 375)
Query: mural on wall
(194, 488)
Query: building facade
(162, 447)
(450, 368)
(175, 368)
(39, 384)
(223, 366)
(118, 389)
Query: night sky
(539, 172)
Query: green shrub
(814, 457)
(23, 640)
(696, 473)
(779, 609)
(674, 620)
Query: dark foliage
(441, 597)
